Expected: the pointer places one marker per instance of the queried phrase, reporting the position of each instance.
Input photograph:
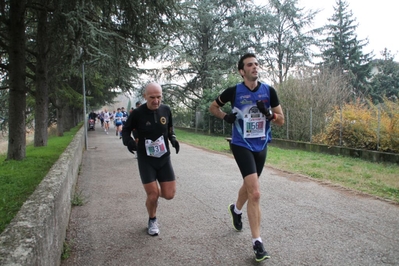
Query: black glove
(175, 144)
(230, 118)
(132, 146)
(266, 111)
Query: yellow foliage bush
(363, 125)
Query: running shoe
(236, 218)
(260, 252)
(153, 229)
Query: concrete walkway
(303, 222)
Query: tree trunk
(69, 118)
(41, 96)
(17, 73)
(60, 118)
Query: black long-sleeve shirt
(148, 124)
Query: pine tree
(288, 40)
(342, 50)
(385, 81)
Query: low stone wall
(36, 234)
(373, 156)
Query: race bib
(254, 125)
(155, 148)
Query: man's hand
(175, 144)
(230, 118)
(132, 146)
(266, 111)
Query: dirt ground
(4, 142)
(3, 145)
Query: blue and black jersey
(250, 130)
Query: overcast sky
(378, 21)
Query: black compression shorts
(248, 161)
(152, 169)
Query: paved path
(303, 222)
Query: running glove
(266, 111)
(230, 118)
(175, 144)
(132, 146)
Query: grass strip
(18, 179)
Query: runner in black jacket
(152, 126)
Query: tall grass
(378, 179)
(18, 179)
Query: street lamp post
(84, 104)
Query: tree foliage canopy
(59, 36)
(288, 37)
(343, 50)
(46, 44)
(385, 80)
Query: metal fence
(309, 126)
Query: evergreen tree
(214, 34)
(385, 80)
(342, 50)
(41, 43)
(288, 40)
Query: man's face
(153, 95)
(250, 70)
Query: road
(304, 222)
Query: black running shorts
(152, 169)
(249, 162)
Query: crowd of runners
(117, 118)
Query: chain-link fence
(378, 130)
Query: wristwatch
(272, 115)
(269, 112)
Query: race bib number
(254, 125)
(155, 148)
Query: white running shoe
(153, 229)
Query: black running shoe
(260, 252)
(236, 218)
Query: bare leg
(242, 197)
(250, 192)
(167, 190)
(153, 193)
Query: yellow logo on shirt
(163, 120)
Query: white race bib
(155, 148)
(254, 125)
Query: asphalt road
(304, 222)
